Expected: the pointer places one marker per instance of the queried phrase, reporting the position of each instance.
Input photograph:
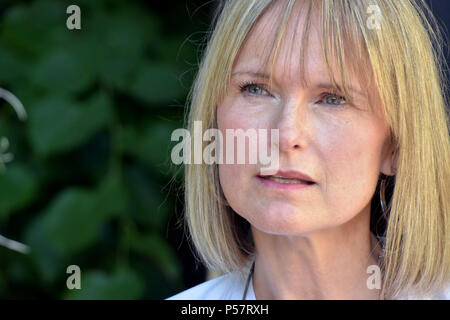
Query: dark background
(91, 183)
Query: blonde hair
(407, 65)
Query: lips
(286, 180)
(289, 177)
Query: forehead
(300, 59)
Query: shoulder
(444, 294)
(230, 286)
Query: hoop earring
(383, 195)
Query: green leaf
(73, 219)
(58, 125)
(122, 54)
(17, 188)
(159, 252)
(151, 144)
(123, 284)
(62, 72)
(27, 27)
(71, 223)
(112, 195)
(146, 198)
(48, 260)
(10, 65)
(24, 32)
(157, 84)
(48, 13)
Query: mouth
(285, 180)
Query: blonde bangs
(342, 41)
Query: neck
(329, 264)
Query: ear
(390, 159)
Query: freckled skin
(342, 148)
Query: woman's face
(341, 146)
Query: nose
(293, 125)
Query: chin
(285, 220)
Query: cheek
(351, 155)
(227, 182)
(234, 182)
(354, 147)
(232, 176)
(236, 115)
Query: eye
(254, 89)
(333, 99)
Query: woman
(359, 206)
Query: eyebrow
(320, 85)
(252, 73)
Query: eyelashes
(247, 86)
(334, 98)
(255, 89)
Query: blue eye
(333, 99)
(256, 89)
(253, 89)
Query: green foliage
(18, 187)
(123, 284)
(72, 123)
(153, 79)
(91, 182)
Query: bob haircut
(404, 57)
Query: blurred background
(91, 183)
(87, 179)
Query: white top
(231, 286)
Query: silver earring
(383, 195)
